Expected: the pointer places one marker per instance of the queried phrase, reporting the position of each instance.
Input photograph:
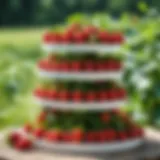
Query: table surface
(149, 150)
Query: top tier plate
(82, 48)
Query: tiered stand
(83, 80)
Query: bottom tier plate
(88, 148)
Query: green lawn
(20, 37)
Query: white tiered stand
(84, 76)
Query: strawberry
(79, 37)
(103, 95)
(28, 128)
(103, 36)
(52, 94)
(39, 133)
(100, 66)
(53, 135)
(76, 66)
(64, 66)
(117, 38)
(90, 137)
(14, 137)
(66, 136)
(77, 135)
(101, 136)
(122, 135)
(91, 96)
(105, 117)
(112, 94)
(89, 65)
(39, 92)
(52, 37)
(42, 64)
(64, 95)
(47, 37)
(23, 144)
(121, 93)
(77, 96)
(54, 65)
(111, 65)
(110, 135)
(67, 37)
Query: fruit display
(77, 33)
(75, 110)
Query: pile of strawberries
(75, 136)
(80, 34)
(78, 135)
(19, 141)
(77, 96)
(77, 65)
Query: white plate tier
(94, 147)
(82, 48)
(79, 76)
(106, 105)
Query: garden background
(22, 23)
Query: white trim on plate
(93, 147)
(88, 76)
(82, 48)
(63, 105)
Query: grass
(20, 37)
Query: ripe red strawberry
(117, 38)
(42, 117)
(39, 92)
(102, 95)
(53, 135)
(90, 137)
(47, 37)
(67, 37)
(28, 128)
(66, 136)
(111, 135)
(122, 135)
(54, 65)
(103, 36)
(76, 65)
(77, 96)
(136, 132)
(90, 30)
(112, 94)
(79, 37)
(52, 94)
(89, 65)
(23, 144)
(42, 64)
(111, 65)
(77, 135)
(64, 95)
(52, 38)
(105, 117)
(91, 96)
(14, 137)
(100, 66)
(39, 133)
(121, 93)
(64, 66)
(102, 136)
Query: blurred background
(22, 23)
